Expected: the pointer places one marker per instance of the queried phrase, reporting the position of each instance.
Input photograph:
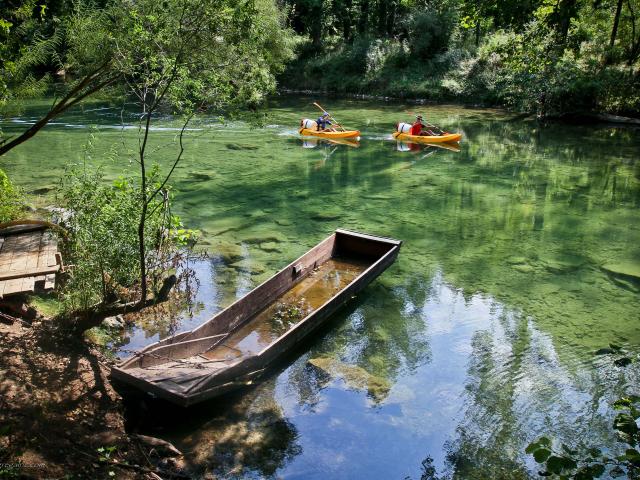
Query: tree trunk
(566, 10)
(143, 213)
(363, 20)
(142, 252)
(616, 21)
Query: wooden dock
(29, 259)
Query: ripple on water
(485, 329)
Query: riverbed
(521, 258)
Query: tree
(97, 47)
(616, 21)
(76, 45)
(191, 55)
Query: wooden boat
(235, 346)
(447, 138)
(329, 135)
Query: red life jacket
(416, 128)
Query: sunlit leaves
(590, 463)
(11, 199)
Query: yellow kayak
(447, 138)
(315, 133)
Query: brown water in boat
(289, 309)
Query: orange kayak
(315, 133)
(447, 138)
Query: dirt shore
(59, 415)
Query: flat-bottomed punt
(237, 345)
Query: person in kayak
(323, 121)
(420, 129)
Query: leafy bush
(103, 247)
(589, 463)
(11, 199)
(429, 32)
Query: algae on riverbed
(517, 265)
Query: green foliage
(538, 56)
(11, 200)
(103, 220)
(430, 32)
(189, 55)
(590, 463)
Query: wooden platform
(29, 259)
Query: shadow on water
(241, 432)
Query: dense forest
(543, 56)
(539, 56)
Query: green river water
(521, 258)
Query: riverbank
(576, 118)
(59, 413)
(487, 76)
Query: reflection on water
(285, 312)
(521, 258)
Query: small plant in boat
(288, 314)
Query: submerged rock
(238, 146)
(516, 260)
(201, 176)
(355, 377)
(270, 247)
(624, 274)
(563, 263)
(523, 268)
(627, 269)
(248, 266)
(228, 252)
(272, 237)
(325, 216)
(114, 322)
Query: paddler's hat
(325, 114)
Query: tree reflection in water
(238, 435)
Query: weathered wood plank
(13, 286)
(50, 281)
(28, 273)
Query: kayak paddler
(323, 121)
(419, 129)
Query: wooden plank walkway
(27, 258)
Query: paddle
(442, 132)
(335, 122)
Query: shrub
(429, 32)
(11, 199)
(103, 248)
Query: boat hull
(162, 369)
(447, 138)
(330, 135)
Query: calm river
(521, 259)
